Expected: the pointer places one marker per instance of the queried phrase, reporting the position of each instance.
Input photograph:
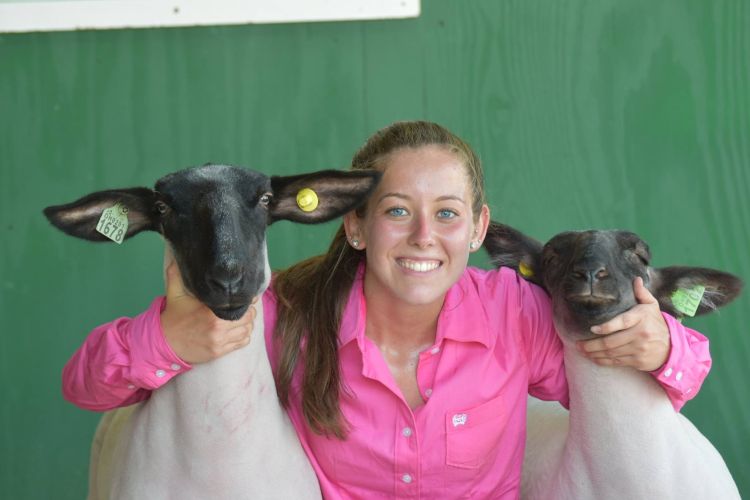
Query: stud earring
(473, 245)
(355, 243)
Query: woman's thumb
(642, 294)
(175, 286)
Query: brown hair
(309, 316)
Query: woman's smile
(419, 266)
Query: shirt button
(428, 392)
(688, 390)
(667, 372)
(175, 366)
(435, 350)
(406, 432)
(160, 373)
(406, 478)
(678, 376)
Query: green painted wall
(603, 114)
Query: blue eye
(397, 212)
(446, 214)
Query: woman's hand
(638, 337)
(193, 332)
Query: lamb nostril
(224, 281)
(590, 274)
(580, 275)
(598, 275)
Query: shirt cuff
(687, 365)
(154, 362)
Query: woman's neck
(401, 332)
(397, 324)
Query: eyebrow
(405, 197)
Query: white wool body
(216, 431)
(621, 439)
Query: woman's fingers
(617, 344)
(195, 334)
(638, 337)
(240, 330)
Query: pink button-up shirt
(495, 343)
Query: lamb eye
(637, 258)
(265, 199)
(549, 258)
(161, 207)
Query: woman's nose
(422, 232)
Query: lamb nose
(225, 280)
(591, 273)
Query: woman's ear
(480, 229)
(353, 229)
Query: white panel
(109, 14)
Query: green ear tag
(114, 223)
(687, 300)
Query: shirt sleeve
(121, 362)
(687, 366)
(540, 343)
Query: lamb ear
(81, 217)
(320, 196)
(508, 247)
(691, 291)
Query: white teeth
(421, 266)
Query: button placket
(406, 455)
(426, 370)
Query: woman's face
(418, 226)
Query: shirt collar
(463, 316)
(353, 318)
(461, 319)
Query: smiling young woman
(404, 371)
(415, 234)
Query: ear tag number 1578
(114, 222)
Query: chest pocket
(472, 434)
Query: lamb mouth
(594, 308)
(591, 300)
(229, 312)
(595, 313)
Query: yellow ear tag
(307, 200)
(525, 270)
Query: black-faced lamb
(621, 438)
(218, 430)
